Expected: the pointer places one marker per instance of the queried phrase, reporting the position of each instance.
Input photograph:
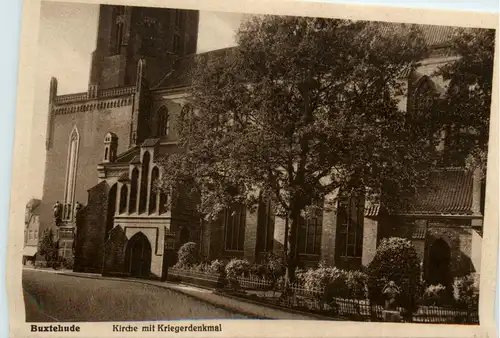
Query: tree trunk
(291, 254)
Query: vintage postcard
(254, 168)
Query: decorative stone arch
(123, 198)
(134, 190)
(153, 193)
(145, 167)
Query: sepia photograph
(193, 164)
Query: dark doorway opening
(139, 256)
(439, 263)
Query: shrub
(237, 268)
(329, 282)
(466, 292)
(217, 267)
(201, 267)
(434, 295)
(275, 265)
(356, 283)
(300, 276)
(259, 270)
(188, 255)
(395, 260)
(67, 263)
(48, 248)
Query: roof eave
(440, 215)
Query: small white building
(31, 230)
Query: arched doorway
(439, 263)
(139, 253)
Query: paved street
(53, 297)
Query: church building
(105, 146)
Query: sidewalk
(249, 308)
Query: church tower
(128, 34)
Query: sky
(67, 37)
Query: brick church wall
(91, 228)
(459, 240)
(476, 248)
(328, 237)
(92, 126)
(155, 235)
(250, 246)
(113, 71)
(114, 253)
(215, 240)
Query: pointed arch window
(144, 182)
(265, 226)
(309, 234)
(350, 223)
(123, 199)
(133, 190)
(71, 167)
(153, 193)
(423, 96)
(455, 150)
(163, 123)
(119, 28)
(234, 227)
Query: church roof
(123, 177)
(449, 191)
(435, 36)
(150, 142)
(136, 159)
(127, 155)
(180, 76)
(418, 232)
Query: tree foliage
(188, 255)
(301, 108)
(48, 247)
(467, 105)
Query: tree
(466, 106)
(49, 248)
(303, 107)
